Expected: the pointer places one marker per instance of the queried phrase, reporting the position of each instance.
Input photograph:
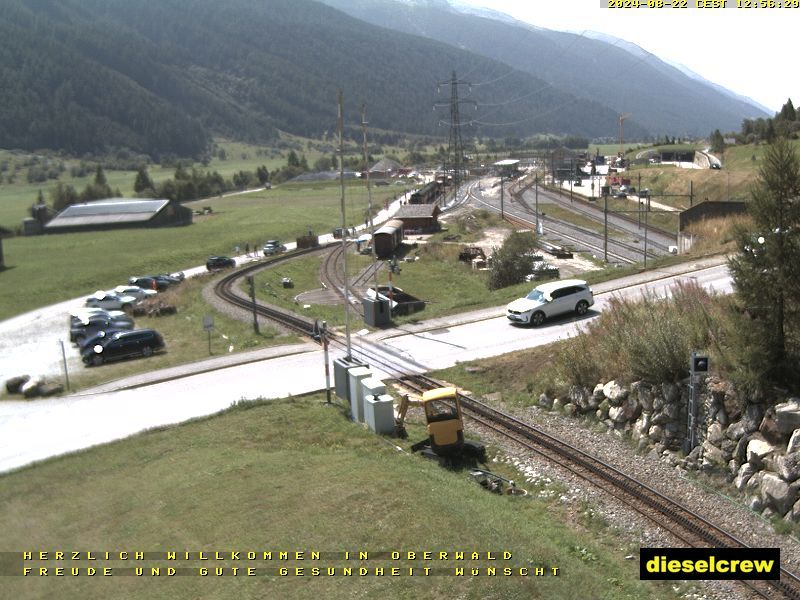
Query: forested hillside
(659, 96)
(163, 77)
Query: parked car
(123, 344)
(715, 166)
(110, 301)
(135, 291)
(97, 338)
(551, 299)
(83, 314)
(273, 247)
(90, 328)
(149, 283)
(219, 262)
(172, 278)
(619, 194)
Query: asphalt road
(34, 430)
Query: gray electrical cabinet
(340, 379)
(376, 312)
(379, 413)
(357, 375)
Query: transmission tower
(455, 147)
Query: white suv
(551, 299)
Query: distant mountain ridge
(639, 51)
(163, 77)
(658, 96)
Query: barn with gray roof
(119, 213)
(419, 218)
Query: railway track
(690, 528)
(618, 251)
(332, 275)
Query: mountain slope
(161, 77)
(659, 96)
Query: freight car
(388, 238)
(428, 194)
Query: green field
(17, 197)
(296, 476)
(50, 268)
(438, 277)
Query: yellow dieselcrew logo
(709, 563)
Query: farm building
(118, 213)
(419, 218)
(385, 167)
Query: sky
(750, 51)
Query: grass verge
(295, 476)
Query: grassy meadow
(297, 475)
(45, 269)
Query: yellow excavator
(445, 426)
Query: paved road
(34, 430)
(30, 343)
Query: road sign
(208, 322)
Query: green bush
(650, 338)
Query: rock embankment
(755, 443)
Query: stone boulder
(787, 416)
(776, 493)
(14, 385)
(714, 433)
(770, 429)
(617, 414)
(794, 442)
(752, 417)
(794, 514)
(789, 466)
(581, 398)
(671, 392)
(713, 456)
(656, 433)
(735, 431)
(545, 401)
(757, 451)
(615, 393)
(644, 394)
(746, 471)
(31, 388)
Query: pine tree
(788, 112)
(143, 182)
(100, 176)
(766, 270)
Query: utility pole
(571, 177)
(344, 229)
(645, 239)
(455, 148)
(369, 194)
(536, 196)
(324, 338)
(502, 214)
(605, 227)
(252, 283)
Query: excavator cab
(445, 427)
(444, 422)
